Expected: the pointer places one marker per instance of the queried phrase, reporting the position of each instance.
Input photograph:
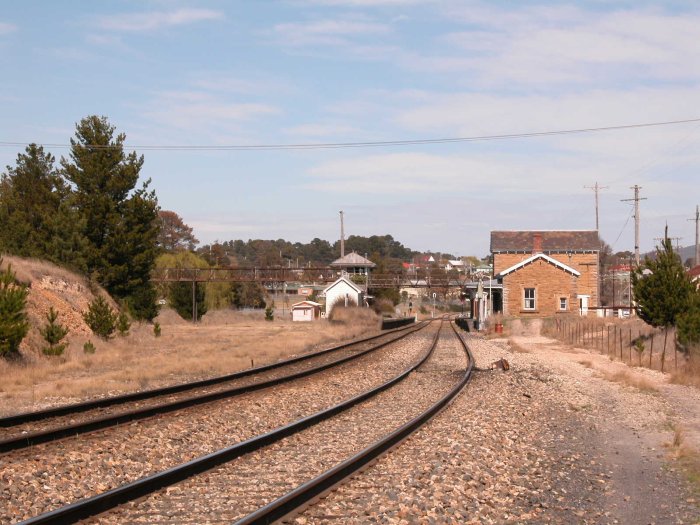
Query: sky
(249, 73)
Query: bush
(156, 329)
(180, 298)
(123, 324)
(270, 312)
(13, 319)
(101, 318)
(89, 348)
(52, 333)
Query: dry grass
(688, 374)
(586, 363)
(629, 378)
(515, 347)
(226, 342)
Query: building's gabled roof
(310, 303)
(551, 241)
(342, 279)
(456, 263)
(547, 258)
(694, 272)
(353, 259)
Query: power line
(368, 144)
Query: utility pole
(596, 188)
(342, 236)
(697, 234)
(636, 200)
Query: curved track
(334, 431)
(29, 429)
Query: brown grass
(515, 347)
(629, 378)
(688, 373)
(183, 352)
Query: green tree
(180, 299)
(13, 318)
(689, 324)
(120, 223)
(37, 218)
(247, 295)
(52, 333)
(100, 317)
(662, 289)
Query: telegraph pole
(636, 200)
(596, 188)
(697, 234)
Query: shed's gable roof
(343, 280)
(353, 259)
(547, 258)
(552, 241)
(301, 304)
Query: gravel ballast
(545, 442)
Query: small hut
(306, 311)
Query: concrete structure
(546, 272)
(306, 311)
(345, 291)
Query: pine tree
(120, 223)
(100, 318)
(181, 299)
(53, 332)
(13, 319)
(34, 211)
(662, 289)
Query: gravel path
(230, 492)
(47, 476)
(546, 442)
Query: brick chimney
(536, 243)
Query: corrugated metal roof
(552, 241)
(353, 259)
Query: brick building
(546, 272)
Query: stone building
(546, 272)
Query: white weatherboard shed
(341, 290)
(306, 311)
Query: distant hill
(685, 252)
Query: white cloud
(327, 32)
(6, 28)
(157, 19)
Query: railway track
(249, 477)
(32, 428)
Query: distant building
(546, 272)
(353, 263)
(345, 292)
(306, 311)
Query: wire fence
(632, 341)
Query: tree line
(85, 212)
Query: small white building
(343, 290)
(306, 311)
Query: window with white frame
(529, 296)
(563, 303)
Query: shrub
(123, 324)
(89, 348)
(101, 318)
(52, 333)
(13, 319)
(156, 329)
(270, 312)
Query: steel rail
(54, 434)
(291, 502)
(100, 503)
(64, 410)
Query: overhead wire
(365, 144)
